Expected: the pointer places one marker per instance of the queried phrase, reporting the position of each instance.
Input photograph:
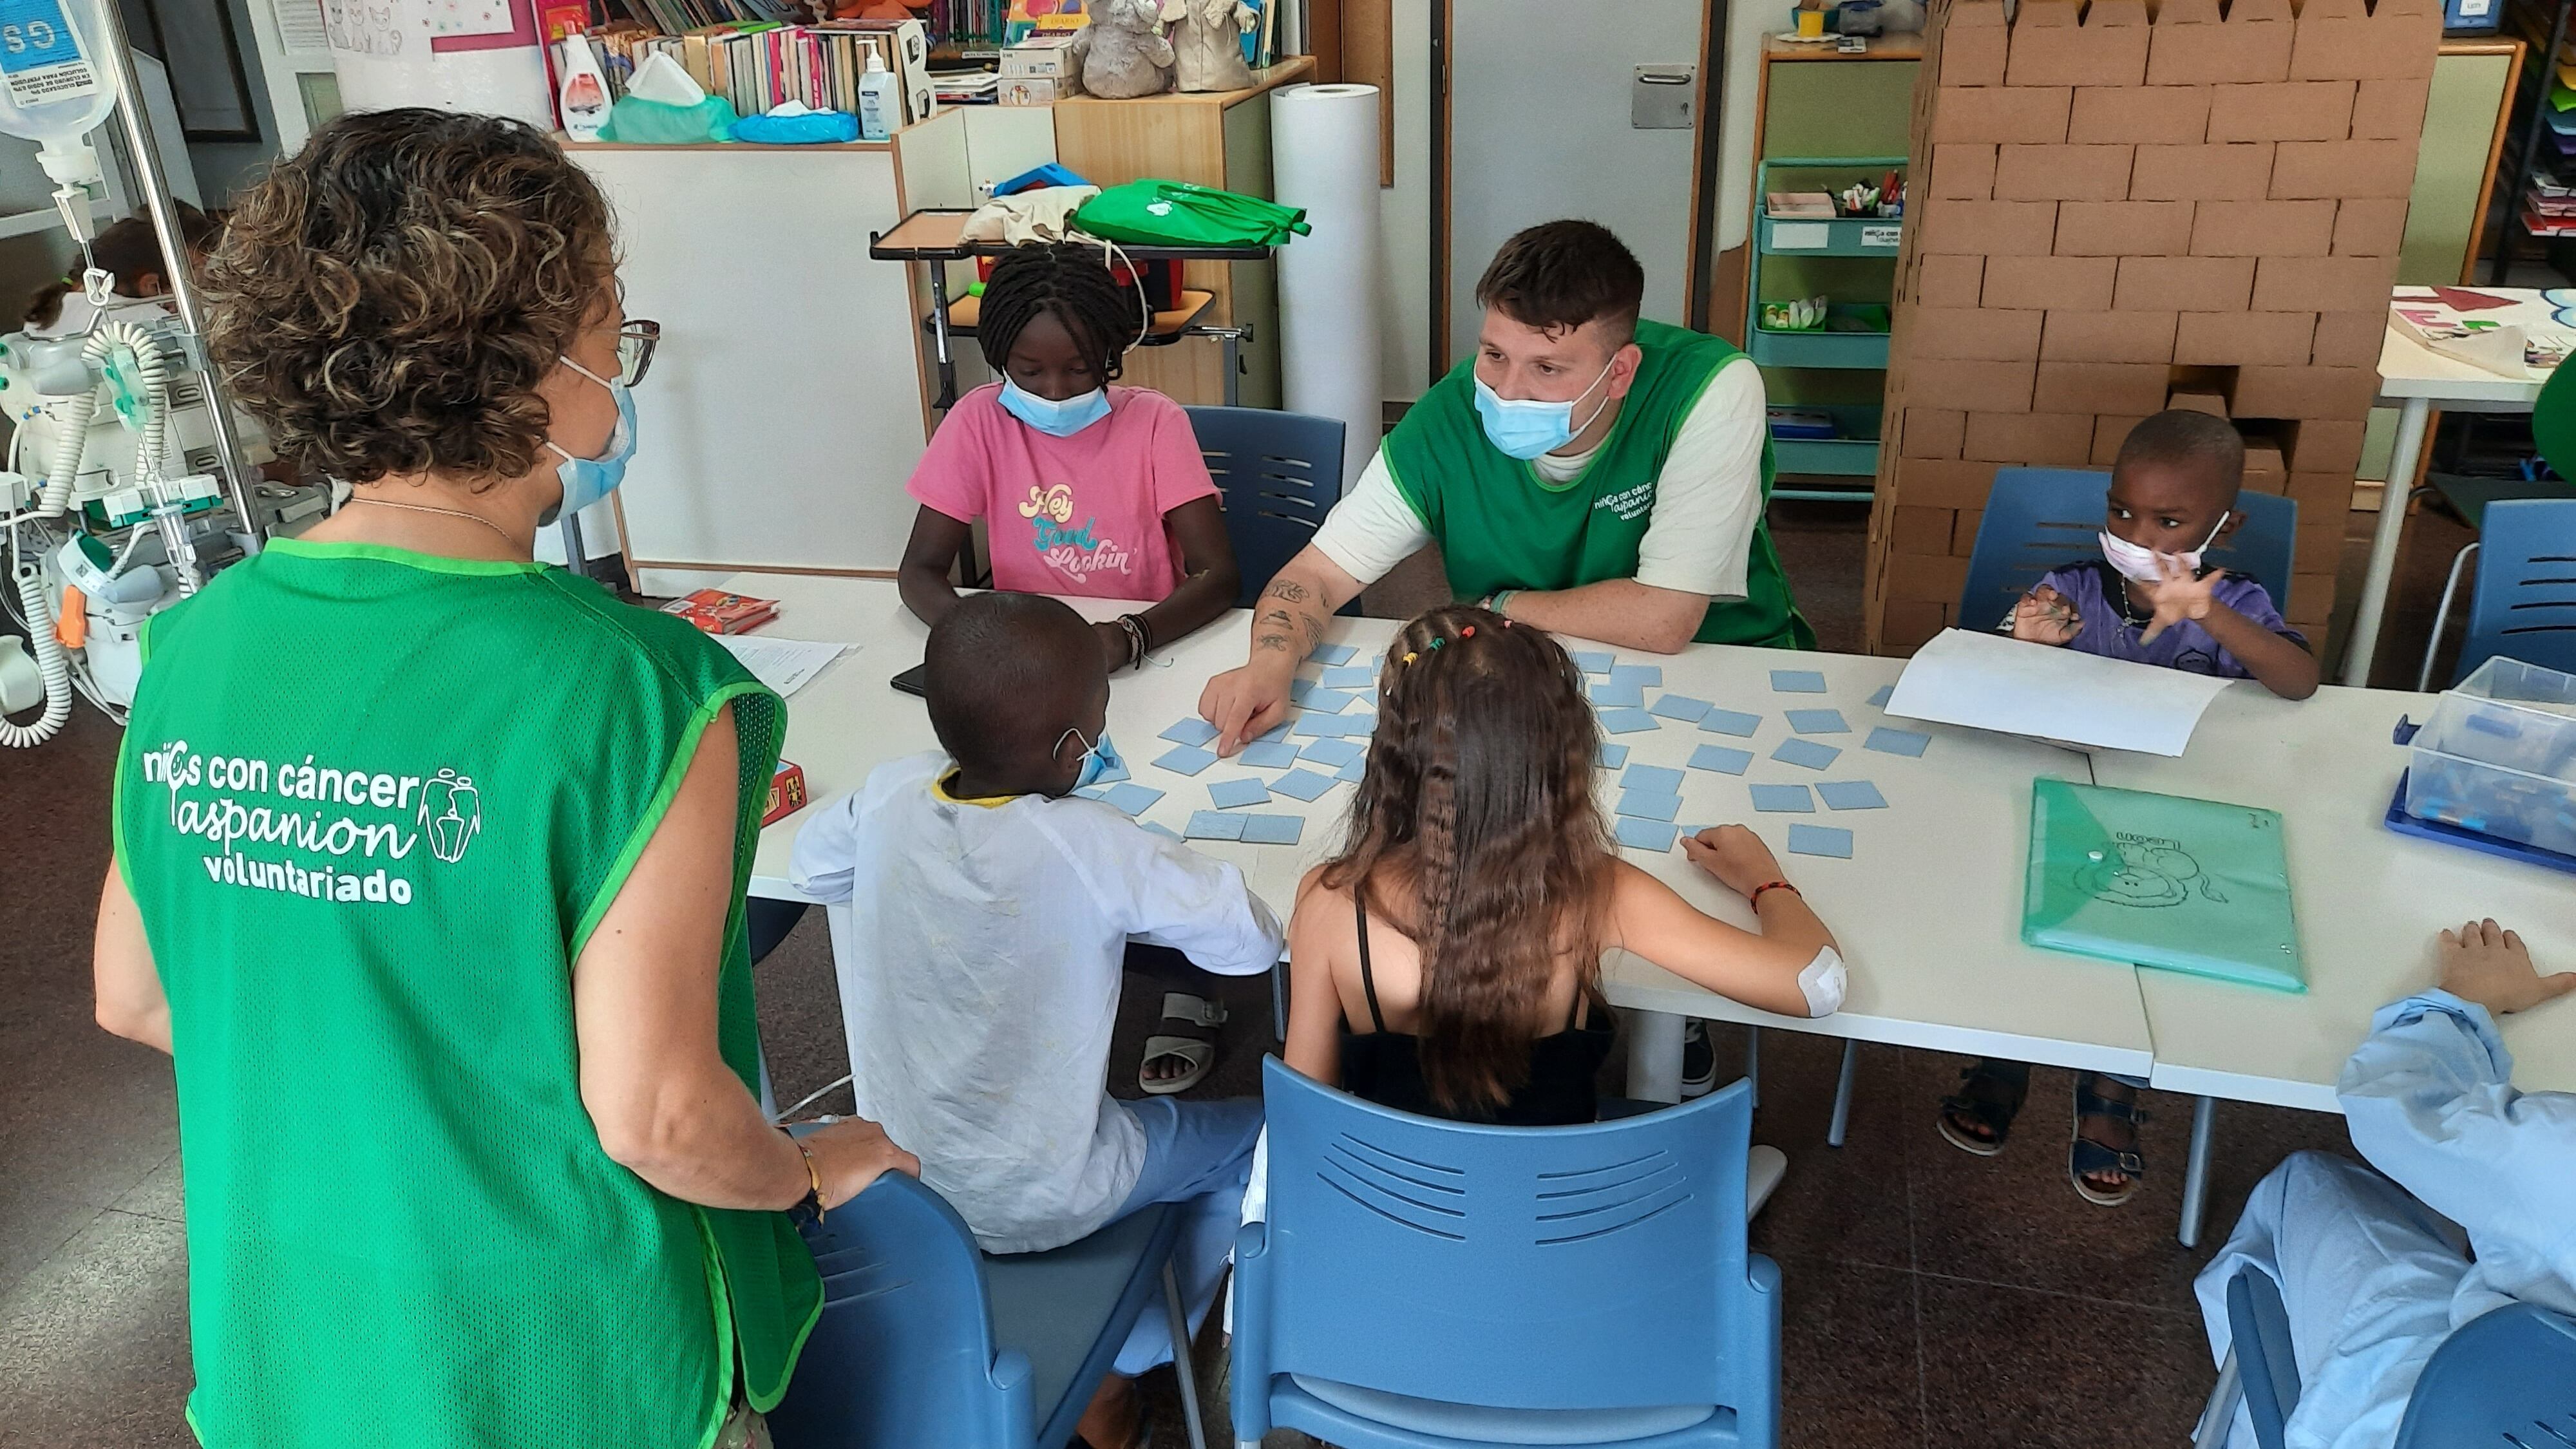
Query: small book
(718, 612)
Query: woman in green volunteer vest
(430, 863)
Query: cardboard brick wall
(2116, 211)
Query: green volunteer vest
(1502, 526)
(371, 804)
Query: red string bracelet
(1755, 899)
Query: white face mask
(2137, 562)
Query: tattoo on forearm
(1277, 643)
(1313, 629)
(1288, 590)
(1279, 617)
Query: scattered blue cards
(1826, 840)
(1349, 676)
(1352, 771)
(1235, 794)
(1731, 722)
(1262, 754)
(1330, 725)
(1184, 760)
(1897, 742)
(1649, 804)
(1619, 693)
(1885, 693)
(1334, 653)
(1324, 701)
(1777, 799)
(1165, 831)
(1626, 721)
(1335, 752)
(1131, 799)
(1190, 732)
(1657, 778)
(1721, 759)
(1274, 734)
(1797, 681)
(1818, 722)
(1272, 829)
(1302, 784)
(1852, 795)
(1645, 674)
(1213, 825)
(1592, 661)
(1610, 756)
(1806, 753)
(1682, 707)
(1645, 835)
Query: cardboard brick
(2123, 228)
(2281, 111)
(2211, 403)
(2339, 40)
(1972, 334)
(2099, 387)
(1975, 57)
(2323, 445)
(2138, 115)
(1909, 624)
(2049, 47)
(2265, 470)
(1924, 531)
(2193, 46)
(2319, 545)
(2389, 110)
(2322, 492)
(2322, 284)
(2311, 608)
(2370, 226)
(1963, 532)
(1948, 280)
(1935, 483)
(2023, 115)
(2110, 430)
(1932, 432)
(1994, 387)
(2335, 169)
(1937, 577)
(2071, 284)
(2183, 284)
(1963, 171)
(2062, 173)
(2270, 229)
(2225, 171)
(2350, 339)
(2242, 339)
(2304, 392)
(2041, 439)
(1989, 228)
(2108, 337)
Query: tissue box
(1050, 56)
(786, 793)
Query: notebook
(2185, 885)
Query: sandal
(2084, 1155)
(1988, 1098)
(1189, 1033)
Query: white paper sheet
(785, 665)
(1990, 682)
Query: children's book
(717, 612)
(2195, 886)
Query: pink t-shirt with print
(1079, 515)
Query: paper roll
(1324, 158)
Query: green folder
(2187, 885)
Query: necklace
(448, 512)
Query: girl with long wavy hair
(1448, 960)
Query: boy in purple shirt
(2147, 599)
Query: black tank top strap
(1368, 979)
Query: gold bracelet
(813, 1174)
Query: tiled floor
(1930, 1298)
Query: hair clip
(1507, 622)
(1467, 633)
(1410, 656)
(1436, 643)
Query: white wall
(1404, 220)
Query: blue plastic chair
(2523, 604)
(928, 1343)
(1280, 474)
(2488, 1386)
(1424, 1284)
(2039, 519)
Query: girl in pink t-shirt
(1086, 490)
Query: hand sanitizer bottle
(880, 103)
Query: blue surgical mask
(1056, 419)
(1525, 427)
(588, 480)
(1097, 759)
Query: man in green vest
(1586, 471)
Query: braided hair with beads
(1075, 284)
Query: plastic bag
(639, 122)
(1178, 213)
(809, 129)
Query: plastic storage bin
(2498, 757)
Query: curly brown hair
(388, 299)
(1478, 794)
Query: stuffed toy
(1209, 43)
(1123, 52)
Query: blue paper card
(1213, 825)
(1610, 756)
(1731, 722)
(1330, 726)
(1626, 721)
(1093, 792)
(1657, 778)
(1646, 674)
(1885, 693)
(1592, 661)
(1184, 760)
(1619, 693)
(1897, 742)
(1818, 722)
(1723, 760)
(1826, 840)
(1190, 732)
(1349, 676)
(1352, 771)
(1806, 753)
(1302, 784)
(1775, 799)
(1682, 707)
(1797, 681)
(1274, 734)
(1263, 755)
(1645, 835)
(1235, 794)
(1649, 805)
(1333, 653)
(1298, 689)
(1272, 829)
(1114, 770)
(1335, 752)
(1852, 795)
(1132, 799)
(1165, 831)
(1326, 701)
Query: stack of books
(717, 612)
(759, 65)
